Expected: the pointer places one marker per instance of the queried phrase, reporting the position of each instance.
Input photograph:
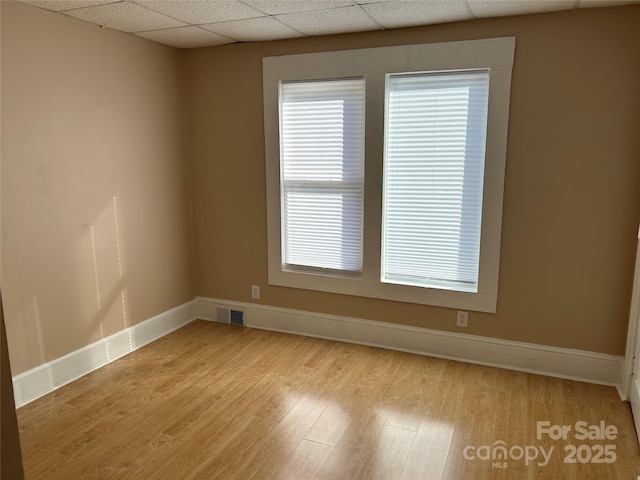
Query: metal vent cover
(223, 315)
(228, 315)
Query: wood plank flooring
(213, 401)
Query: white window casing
(382, 70)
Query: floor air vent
(227, 315)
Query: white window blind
(322, 174)
(434, 167)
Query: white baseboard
(551, 361)
(43, 379)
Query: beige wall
(95, 205)
(95, 197)
(572, 200)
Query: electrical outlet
(462, 319)
(255, 292)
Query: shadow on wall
(110, 312)
(100, 310)
(101, 287)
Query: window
(385, 171)
(322, 165)
(435, 125)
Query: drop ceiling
(201, 23)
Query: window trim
(374, 63)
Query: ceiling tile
(61, 5)
(409, 13)
(125, 16)
(253, 29)
(185, 37)
(202, 11)
(500, 8)
(166, 21)
(327, 22)
(278, 7)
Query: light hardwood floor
(213, 401)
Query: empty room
(320, 239)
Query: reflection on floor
(215, 401)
